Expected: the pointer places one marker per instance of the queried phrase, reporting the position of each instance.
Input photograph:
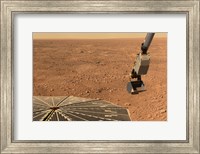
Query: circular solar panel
(62, 108)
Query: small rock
(163, 111)
(99, 91)
(149, 116)
(51, 89)
(154, 98)
(128, 104)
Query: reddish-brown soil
(100, 69)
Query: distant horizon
(91, 38)
(91, 35)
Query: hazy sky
(91, 35)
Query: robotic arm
(147, 42)
(141, 66)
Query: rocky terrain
(100, 68)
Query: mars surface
(100, 69)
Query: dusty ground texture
(100, 69)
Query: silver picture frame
(189, 7)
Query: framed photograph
(99, 76)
